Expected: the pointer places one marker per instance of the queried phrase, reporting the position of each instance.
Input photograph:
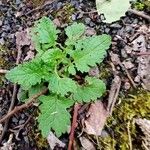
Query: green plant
(55, 66)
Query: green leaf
(44, 34)
(28, 73)
(74, 32)
(90, 51)
(61, 85)
(54, 115)
(112, 9)
(94, 89)
(36, 89)
(52, 55)
(71, 69)
(22, 95)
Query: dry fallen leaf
(53, 141)
(22, 39)
(86, 144)
(97, 118)
(30, 55)
(144, 124)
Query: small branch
(143, 53)
(23, 106)
(40, 7)
(12, 99)
(2, 71)
(140, 14)
(113, 93)
(128, 74)
(129, 135)
(73, 127)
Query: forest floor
(125, 70)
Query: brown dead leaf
(86, 144)
(53, 141)
(30, 55)
(97, 118)
(144, 124)
(90, 32)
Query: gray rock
(15, 120)
(87, 21)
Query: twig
(144, 145)
(140, 14)
(129, 135)
(73, 127)
(40, 7)
(143, 53)
(2, 71)
(128, 75)
(12, 99)
(23, 106)
(113, 94)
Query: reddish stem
(74, 125)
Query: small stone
(87, 21)
(14, 119)
(128, 64)
(92, 24)
(137, 79)
(116, 25)
(22, 116)
(26, 139)
(123, 53)
(104, 134)
(59, 5)
(73, 17)
(107, 30)
(135, 21)
(127, 85)
(21, 122)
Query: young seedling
(55, 66)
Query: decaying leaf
(86, 144)
(144, 124)
(97, 118)
(53, 141)
(22, 38)
(112, 9)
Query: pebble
(15, 120)
(87, 21)
(104, 134)
(26, 139)
(73, 17)
(23, 116)
(127, 86)
(21, 122)
(116, 25)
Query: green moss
(65, 13)
(105, 71)
(142, 5)
(122, 122)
